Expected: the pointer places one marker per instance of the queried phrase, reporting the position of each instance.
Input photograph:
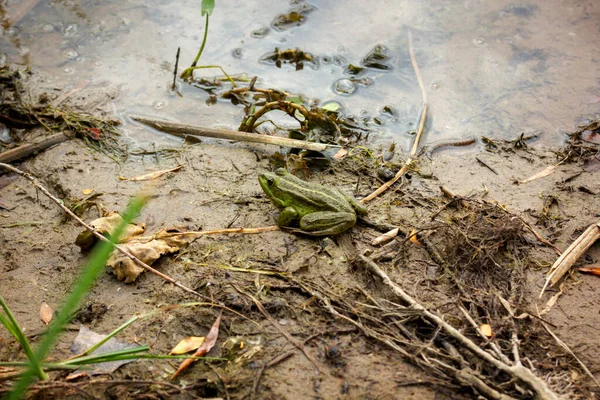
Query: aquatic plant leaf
(331, 106)
(378, 58)
(209, 343)
(207, 7)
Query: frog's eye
(270, 180)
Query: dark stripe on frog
(328, 195)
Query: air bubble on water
(70, 30)
(344, 86)
(158, 104)
(68, 70)
(71, 55)
(237, 53)
(48, 28)
(435, 86)
(479, 41)
(98, 64)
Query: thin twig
(499, 353)
(299, 345)
(412, 157)
(97, 234)
(517, 371)
(480, 161)
(564, 346)
(271, 363)
(174, 85)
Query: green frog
(316, 209)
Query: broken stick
(564, 263)
(182, 130)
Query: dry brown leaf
(188, 344)
(486, 329)
(340, 154)
(545, 172)
(107, 225)
(151, 175)
(147, 250)
(386, 237)
(87, 191)
(413, 237)
(46, 313)
(209, 343)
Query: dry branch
(518, 371)
(32, 148)
(182, 130)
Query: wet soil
(218, 188)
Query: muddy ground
(218, 188)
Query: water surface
(495, 68)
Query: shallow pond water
(495, 68)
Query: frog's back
(316, 197)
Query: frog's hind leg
(326, 223)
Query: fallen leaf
(151, 175)
(545, 172)
(590, 270)
(87, 191)
(486, 329)
(46, 313)
(340, 154)
(386, 237)
(87, 338)
(107, 225)
(413, 237)
(188, 344)
(207, 345)
(150, 250)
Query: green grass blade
(81, 287)
(111, 335)
(105, 357)
(11, 324)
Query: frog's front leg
(287, 217)
(327, 223)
